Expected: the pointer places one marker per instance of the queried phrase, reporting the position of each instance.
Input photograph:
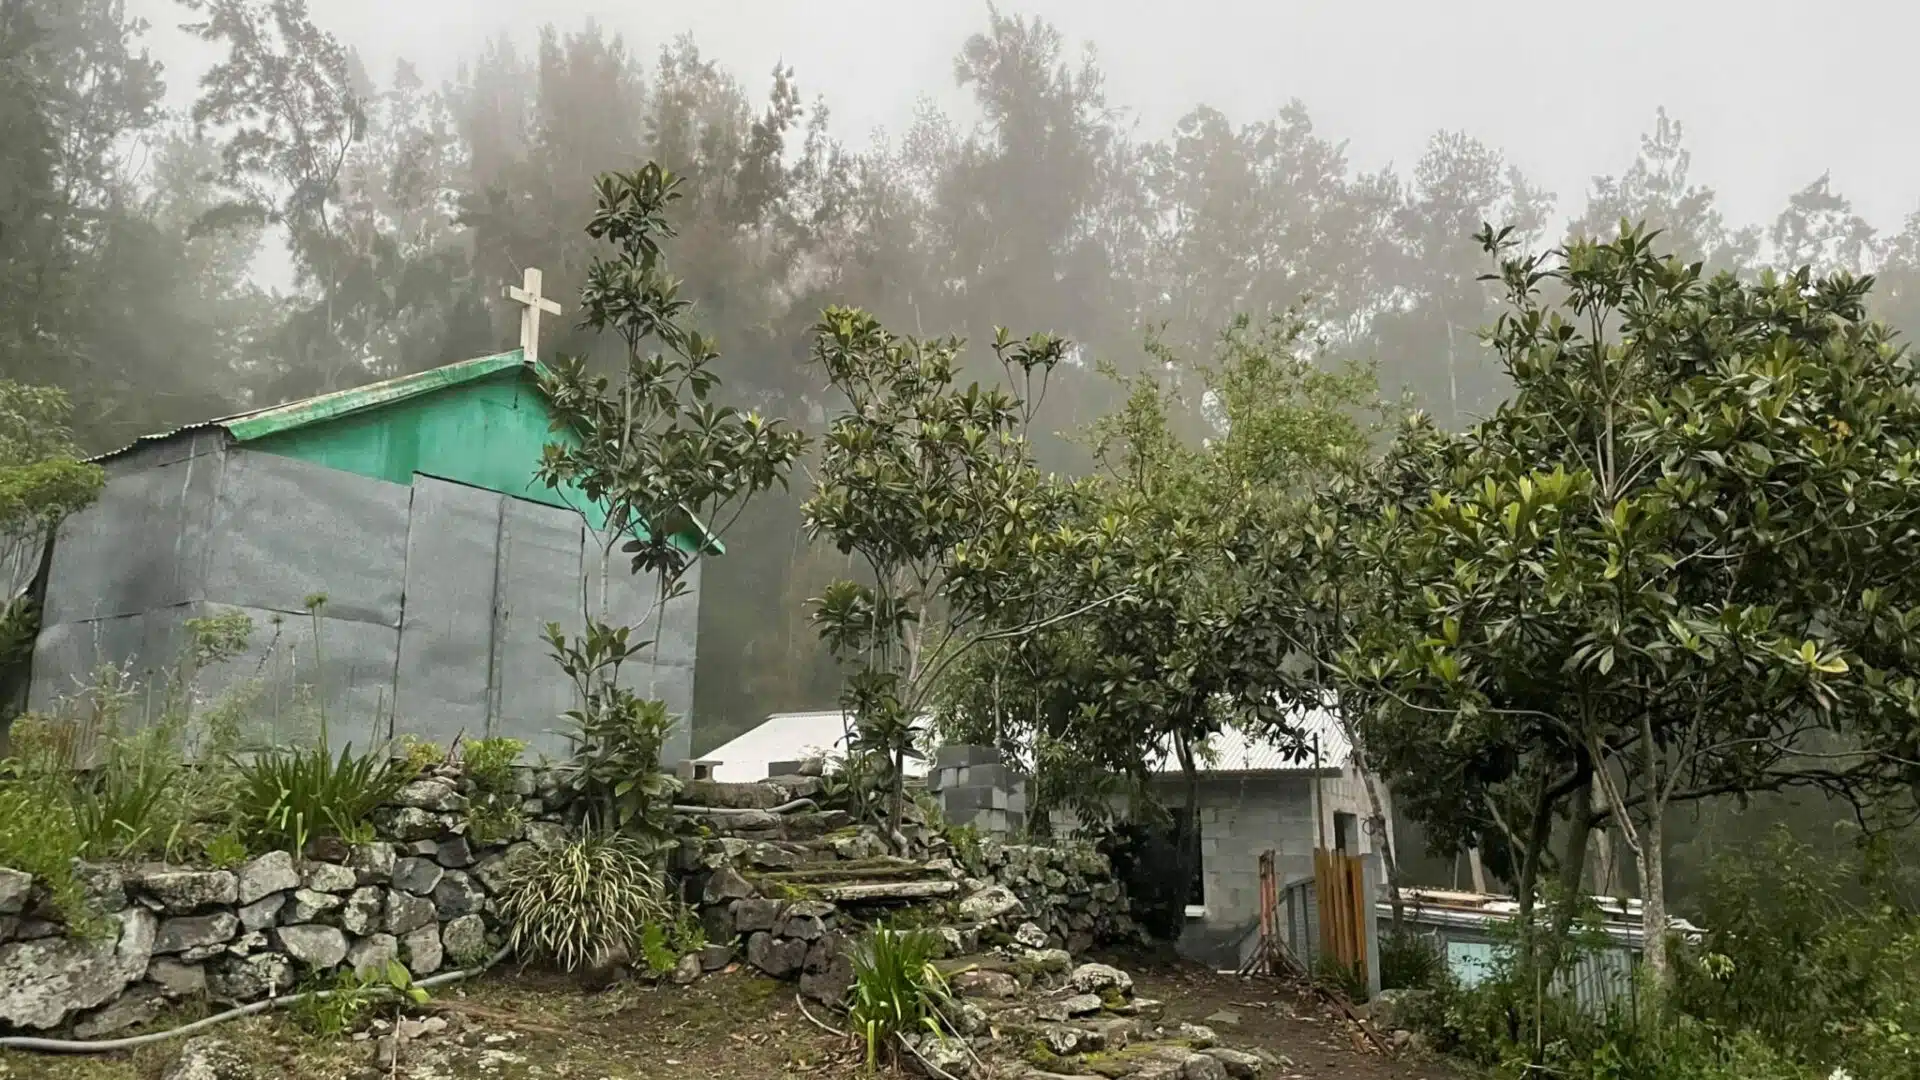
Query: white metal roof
(1233, 750)
(797, 736)
(786, 737)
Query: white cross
(529, 294)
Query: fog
(276, 214)
(1773, 93)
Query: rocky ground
(737, 1026)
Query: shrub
(493, 809)
(582, 902)
(1410, 961)
(896, 988)
(289, 795)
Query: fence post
(1371, 875)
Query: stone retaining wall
(424, 894)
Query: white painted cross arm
(528, 294)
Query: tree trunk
(1188, 835)
(1478, 869)
(1653, 893)
(1573, 871)
(1377, 822)
(1604, 877)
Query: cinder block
(963, 754)
(961, 802)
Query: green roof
(481, 422)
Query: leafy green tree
(671, 468)
(1672, 567)
(934, 489)
(41, 481)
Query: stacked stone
(1066, 888)
(422, 894)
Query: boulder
(1392, 1010)
(731, 796)
(407, 912)
(493, 871)
(1239, 1065)
(264, 912)
(421, 951)
(1067, 1008)
(754, 914)
(440, 796)
(688, 970)
(177, 979)
(992, 902)
(1049, 961)
(208, 1058)
(464, 939)
(726, 884)
(328, 849)
(715, 957)
(546, 836)
(372, 864)
(806, 920)
(368, 957)
(309, 906)
(949, 1056)
(1198, 1036)
(454, 854)
(1099, 978)
(1030, 936)
(137, 1006)
(412, 823)
(104, 886)
(360, 915)
(986, 984)
(774, 956)
(241, 979)
(15, 887)
(270, 873)
(417, 876)
(318, 947)
(458, 894)
(182, 892)
(1202, 1067)
(189, 932)
(330, 878)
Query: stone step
(885, 892)
(846, 872)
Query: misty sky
(1772, 93)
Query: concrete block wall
(975, 787)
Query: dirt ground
(1282, 1018)
(727, 1027)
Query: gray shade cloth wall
(437, 597)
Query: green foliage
(290, 795)
(897, 990)
(933, 487)
(591, 898)
(618, 738)
(339, 1005)
(1410, 961)
(493, 806)
(226, 851)
(417, 755)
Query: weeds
(493, 808)
(288, 796)
(583, 901)
(897, 989)
(1410, 961)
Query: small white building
(1253, 799)
(787, 737)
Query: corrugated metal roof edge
(272, 419)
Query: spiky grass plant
(897, 989)
(581, 902)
